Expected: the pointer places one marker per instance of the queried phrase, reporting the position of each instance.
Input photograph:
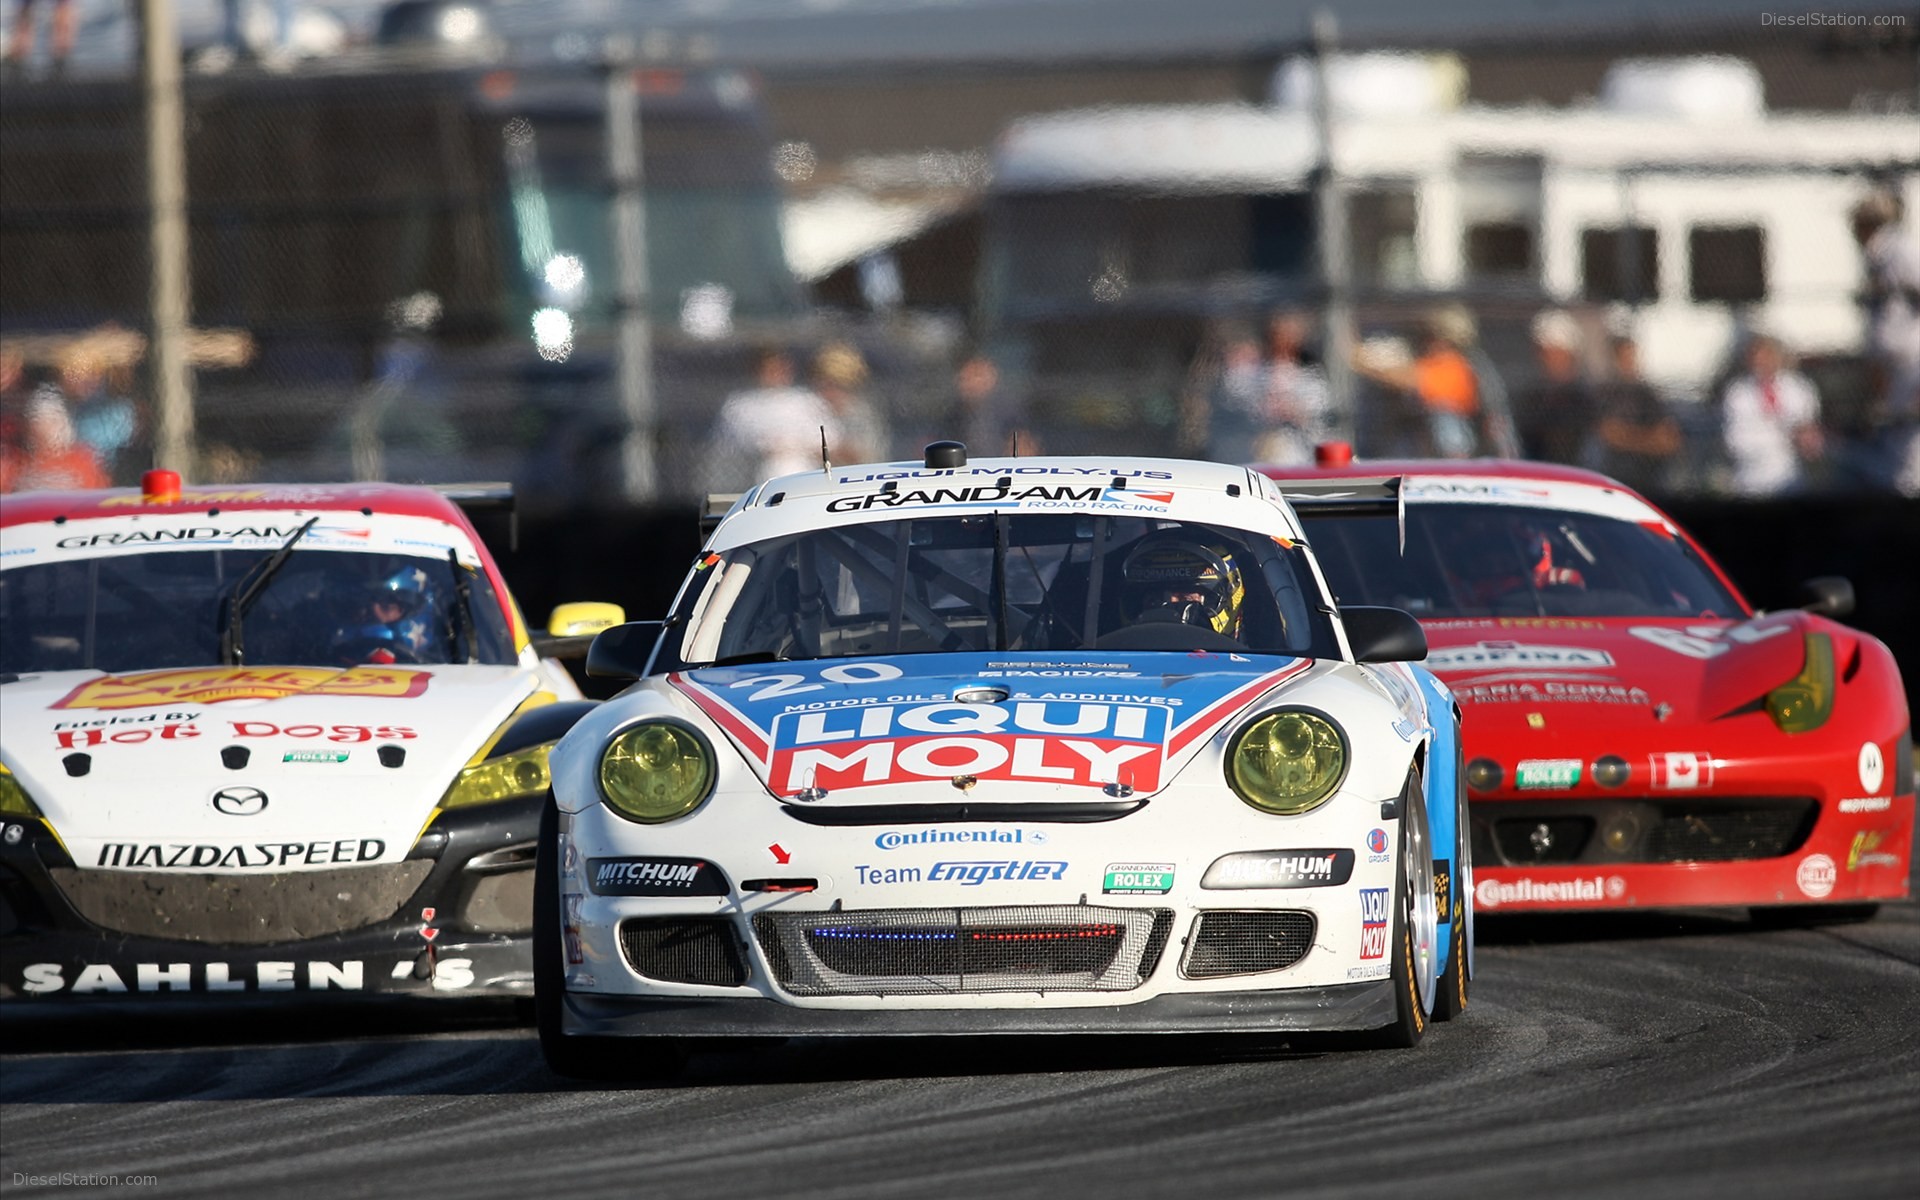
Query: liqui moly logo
(1373, 922)
(1041, 741)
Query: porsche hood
(995, 726)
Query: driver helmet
(1537, 544)
(1179, 574)
(391, 619)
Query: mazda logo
(240, 801)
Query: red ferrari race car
(1637, 734)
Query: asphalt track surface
(1646, 1056)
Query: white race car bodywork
(1026, 794)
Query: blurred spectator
(1637, 439)
(103, 416)
(1556, 412)
(1294, 401)
(840, 377)
(1770, 420)
(49, 458)
(986, 415)
(13, 396)
(1235, 397)
(1892, 257)
(1441, 381)
(59, 35)
(773, 428)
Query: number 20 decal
(792, 685)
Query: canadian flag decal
(1681, 770)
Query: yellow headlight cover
(1805, 702)
(522, 773)
(656, 771)
(14, 800)
(1287, 762)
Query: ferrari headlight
(522, 773)
(656, 771)
(1805, 702)
(14, 800)
(1287, 762)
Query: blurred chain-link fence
(1695, 272)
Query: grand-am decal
(1516, 654)
(192, 533)
(184, 856)
(1137, 879)
(1534, 773)
(1681, 770)
(866, 724)
(967, 496)
(210, 685)
(1706, 641)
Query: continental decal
(211, 685)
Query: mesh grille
(685, 950)
(244, 910)
(1628, 830)
(1727, 834)
(1242, 943)
(893, 952)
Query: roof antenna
(1015, 447)
(825, 466)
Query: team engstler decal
(1079, 721)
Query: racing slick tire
(591, 1058)
(1801, 916)
(1452, 1000)
(1415, 930)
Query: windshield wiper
(750, 656)
(463, 636)
(233, 610)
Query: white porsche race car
(1036, 745)
(263, 739)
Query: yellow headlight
(1806, 701)
(14, 800)
(1287, 762)
(522, 773)
(656, 771)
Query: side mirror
(1828, 595)
(1383, 635)
(622, 651)
(584, 617)
(572, 627)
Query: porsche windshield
(1477, 560)
(1003, 581)
(163, 609)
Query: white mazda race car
(266, 739)
(1035, 745)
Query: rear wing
(718, 504)
(485, 497)
(1348, 496)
